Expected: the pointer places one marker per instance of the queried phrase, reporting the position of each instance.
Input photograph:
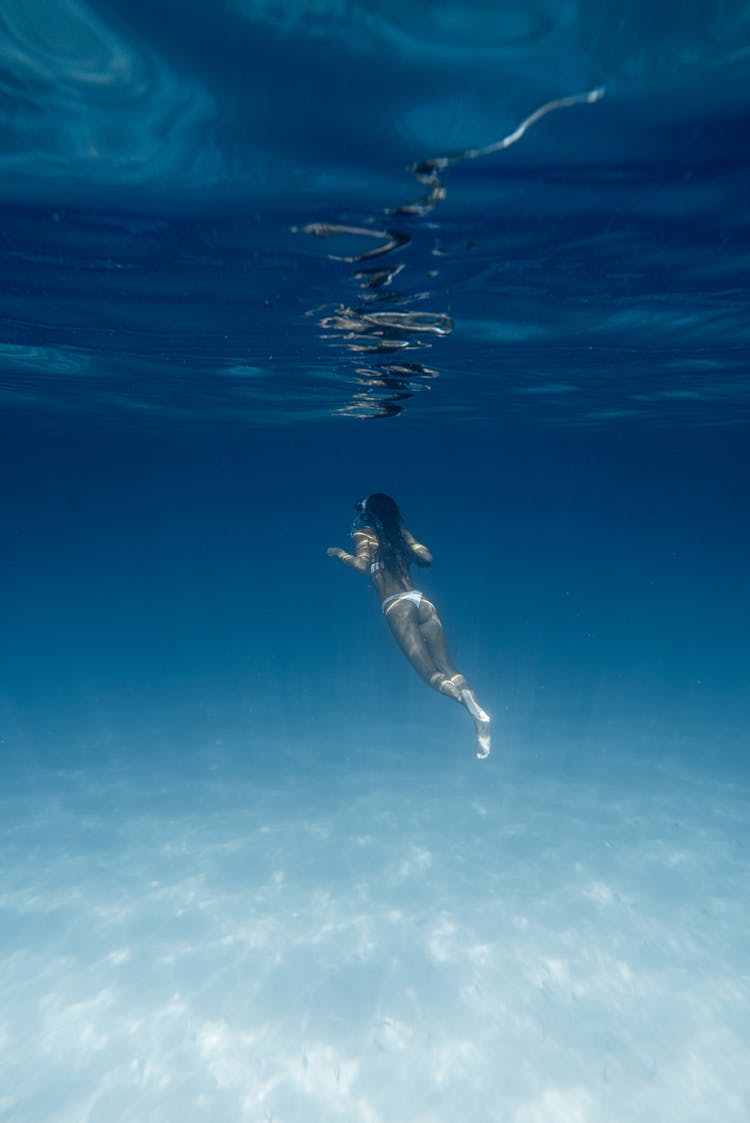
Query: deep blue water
(252, 869)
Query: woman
(387, 550)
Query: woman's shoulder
(365, 535)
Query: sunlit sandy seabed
(371, 940)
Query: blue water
(250, 868)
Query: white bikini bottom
(412, 595)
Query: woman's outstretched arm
(422, 555)
(363, 544)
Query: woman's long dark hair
(382, 514)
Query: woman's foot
(481, 723)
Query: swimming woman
(387, 550)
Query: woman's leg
(403, 620)
(420, 636)
(434, 637)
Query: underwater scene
(375, 451)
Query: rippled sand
(461, 942)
